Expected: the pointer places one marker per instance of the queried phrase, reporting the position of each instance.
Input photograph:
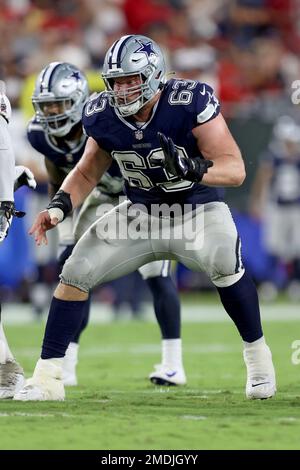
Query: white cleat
(51, 390)
(11, 379)
(69, 366)
(69, 380)
(261, 381)
(164, 375)
(45, 384)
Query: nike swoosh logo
(203, 91)
(171, 374)
(262, 383)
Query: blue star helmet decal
(75, 75)
(146, 48)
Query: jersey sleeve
(206, 105)
(97, 122)
(33, 130)
(92, 113)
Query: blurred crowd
(247, 50)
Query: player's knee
(78, 272)
(70, 293)
(224, 264)
(227, 280)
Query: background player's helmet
(61, 91)
(287, 129)
(134, 55)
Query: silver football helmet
(60, 93)
(287, 129)
(133, 55)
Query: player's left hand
(191, 169)
(24, 177)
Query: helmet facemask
(55, 123)
(122, 99)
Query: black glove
(7, 211)
(191, 169)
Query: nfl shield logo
(69, 158)
(138, 135)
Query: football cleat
(11, 379)
(50, 390)
(69, 378)
(261, 381)
(69, 365)
(45, 384)
(167, 376)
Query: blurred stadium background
(248, 50)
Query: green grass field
(116, 407)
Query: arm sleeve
(207, 106)
(7, 163)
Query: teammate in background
(56, 132)
(275, 199)
(172, 146)
(11, 178)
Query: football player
(11, 178)
(173, 147)
(56, 132)
(275, 198)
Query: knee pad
(228, 280)
(223, 258)
(78, 272)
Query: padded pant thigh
(94, 207)
(105, 253)
(215, 246)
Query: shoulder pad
(34, 125)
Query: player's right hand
(41, 225)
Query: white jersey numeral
(96, 107)
(184, 96)
(132, 165)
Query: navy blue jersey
(285, 182)
(65, 156)
(183, 105)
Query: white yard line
(18, 414)
(137, 349)
(194, 417)
(202, 313)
